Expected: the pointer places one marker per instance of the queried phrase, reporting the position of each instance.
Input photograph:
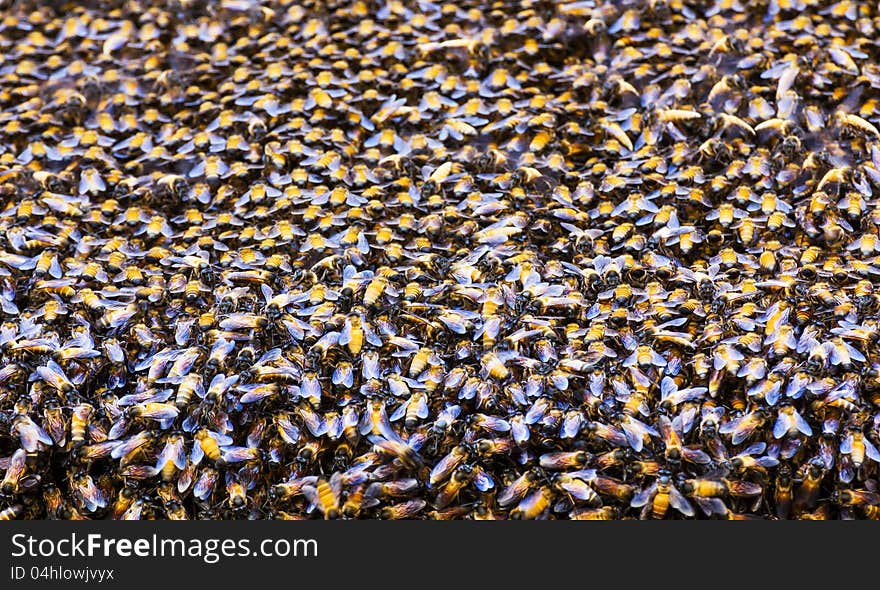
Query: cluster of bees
(355, 259)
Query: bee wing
(801, 424)
(711, 506)
(684, 422)
(197, 454)
(537, 411)
(871, 450)
(846, 445)
(126, 446)
(440, 174)
(287, 430)
(657, 359)
(334, 427)
(755, 448)
(667, 388)
(696, 456)
(854, 352)
(55, 269)
(237, 454)
(345, 336)
(314, 422)
(118, 428)
(349, 417)
(336, 483)
(847, 473)
(744, 489)
(422, 407)
(222, 440)
(597, 383)
(741, 434)
(667, 429)
(782, 425)
(635, 432)
(511, 493)
(160, 411)
(267, 292)
(571, 425)
(173, 452)
(31, 435)
(691, 394)
(400, 412)
(772, 395)
(767, 461)
(483, 481)
(679, 502)
(520, 431)
(311, 493)
(644, 496)
(92, 496)
(442, 469)
(366, 424)
(204, 485)
(578, 489)
(311, 388)
(254, 392)
(496, 424)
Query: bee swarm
(350, 259)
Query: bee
(326, 495)
(857, 446)
(745, 426)
(783, 492)
(55, 423)
(53, 500)
(14, 472)
(396, 447)
(209, 445)
(412, 411)
(375, 420)
(236, 494)
(856, 123)
(674, 450)
(807, 493)
(564, 460)
(576, 487)
(494, 367)
(172, 458)
(171, 186)
(90, 496)
(55, 376)
(404, 510)
(534, 505)
(850, 497)
(153, 411)
(746, 460)
(125, 500)
(79, 422)
(656, 499)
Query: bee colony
(486, 260)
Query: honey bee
(14, 471)
(656, 499)
(541, 263)
(172, 458)
(79, 422)
(857, 446)
(326, 496)
(533, 506)
(807, 493)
